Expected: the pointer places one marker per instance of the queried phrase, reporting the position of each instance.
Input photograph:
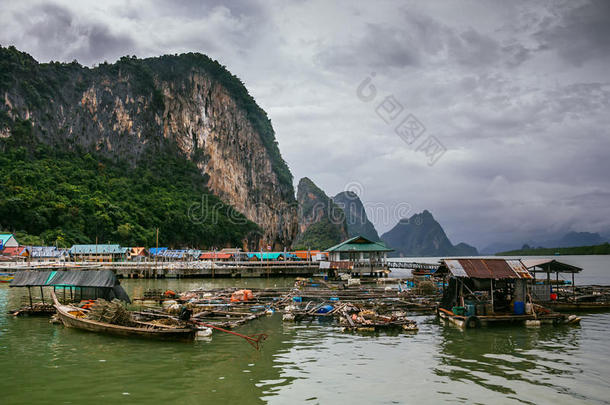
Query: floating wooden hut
(71, 285)
(485, 291)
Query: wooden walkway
(179, 269)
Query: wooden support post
(573, 288)
(492, 295)
(30, 295)
(42, 295)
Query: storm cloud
(517, 93)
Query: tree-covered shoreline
(603, 249)
(57, 197)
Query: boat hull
(148, 332)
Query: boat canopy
(101, 283)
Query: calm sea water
(305, 363)
(596, 269)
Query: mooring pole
(30, 295)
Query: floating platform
(477, 321)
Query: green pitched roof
(359, 244)
(5, 237)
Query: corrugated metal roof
(212, 255)
(519, 268)
(267, 255)
(455, 267)
(97, 249)
(156, 251)
(168, 253)
(550, 264)
(39, 252)
(484, 268)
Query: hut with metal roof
(360, 252)
(215, 256)
(47, 254)
(484, 287)
(98, 253)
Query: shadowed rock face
(358, 223)
(422, 235)
(321, 222)
(189, 103)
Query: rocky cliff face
(321, 222)
(358, 223)
(188, 103)
(422, 235)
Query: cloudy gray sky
(517, 92)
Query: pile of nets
(113, 312)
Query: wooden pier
(181, 269)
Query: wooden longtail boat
(73, 317)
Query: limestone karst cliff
(322, 223)
(127, 109)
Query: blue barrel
(470, 310)
(297, 299)
(519, 307)
(325, 309)
(334, 299)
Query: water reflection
(506, 359)
(308, 362)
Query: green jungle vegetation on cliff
(326, 220)
(39, 83)
(320, 235)
(603, 249)
(63, 198)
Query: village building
(156, 252)
(268, 256)
(19, 253)
(7, 240)
(359, 254)
(310, 255)
(137, 254)
(48, 254)
(216, 256)
(98, 253)
(167, 255)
